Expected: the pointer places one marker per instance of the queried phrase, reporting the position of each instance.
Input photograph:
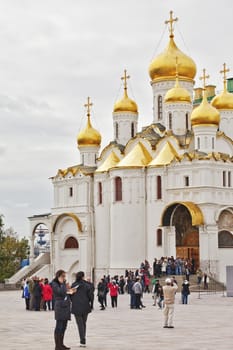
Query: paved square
(204, 324)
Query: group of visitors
(38, 294)
(173, 266)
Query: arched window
(198, 143)
(117, 131)
(132, 129)
(212, 142)
(159, 237)
(170, 121)
(187, 121)
(100, 197)
(71, 243)
(118, 189)
(160, 107)
(159, 187)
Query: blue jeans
(184, 299)
(60, 326)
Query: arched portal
(186, 217)
(225, 228)
(41, 239)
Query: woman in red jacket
(47, 294)
(113, 291)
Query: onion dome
(177, 93)
(205, 113)
(163, 66)
(225, 99)
(125, 104)
(88, 136)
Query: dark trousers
(137, 301)
(27, 303)
(114, 301)
(37, 301)
(81, 321)
(60, 326)
(47, 302)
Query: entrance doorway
(182, 217)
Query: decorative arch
(72, 216)
(193, 209)
(71, 243)
(225, 239)
(36, 227)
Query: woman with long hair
(62, 307)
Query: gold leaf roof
(205, 113)
(109, 163)
(138, 157)
(165, 156)
(89, 136)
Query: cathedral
(165, 190)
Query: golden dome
(223, 101)
(89, 136)
(205, 113)
(164, 65)
(177, 94)
(125, 105)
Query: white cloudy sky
(55, 53)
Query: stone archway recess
(186, 217)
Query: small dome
(223, 100)
(125, 105)
(205, 113)
(164, 65)
(177, 94)
(88, 136)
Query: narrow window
(82, 158)
(229, 179)
(212, 142)
(159, 187)
(100, 197)
(186, 181)
(118, 189)
(71, 191)
(170, 121)
(159, 237)
(187, 121)
(117, 131)
(198, 143)
(132, 129)
(224, 178)
(160, 107)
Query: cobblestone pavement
(206, 323)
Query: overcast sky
(55, 53)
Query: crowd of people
(57, 295)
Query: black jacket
(62, 301)
(81, 300)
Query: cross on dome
(204, 77)
(170, 21)
(88, 105)
(124, 78)
(224, 71)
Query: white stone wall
(178, 112)
(124, 122)
(226, 122)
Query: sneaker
(165, 327)
(170, 327)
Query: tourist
(169, 292)
(37, 293)
(199, 276)
(81, 304)
(26, 294)
(206, 281)
(185, 292)
(113, 289)
(121, 285)
(130, 283)
(137, 288)
(61, 307)
(160, 297)
(31, 291)
(147, 284)
(47, 295)
(101, 293)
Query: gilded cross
(224, 71)
(170, 22)
(88, 105)
(124, 78)
(204, 77)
